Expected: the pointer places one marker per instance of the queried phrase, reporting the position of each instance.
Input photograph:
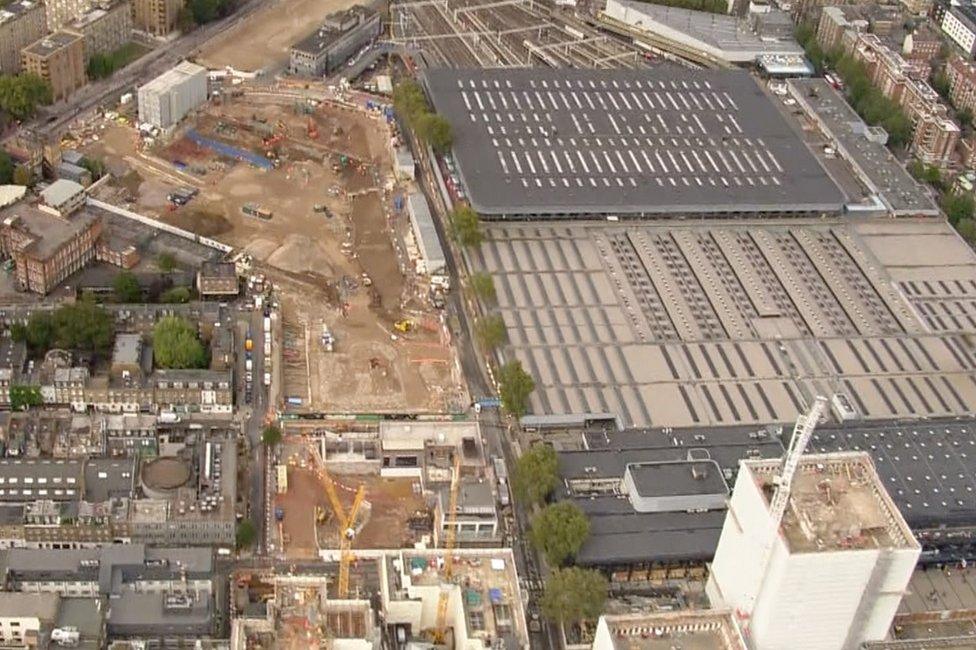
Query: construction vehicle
(346, 521)
(403, 326)
(248, 342)
(446, 586)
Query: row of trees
(960, 208)
(711, 6)
(20, 95)
(411, 104)
(102, 65)
(869, 102)
(559, 531)
(82, 326)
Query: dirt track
(263, 39)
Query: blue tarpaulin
(229, 151)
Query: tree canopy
(176, 295)
(514, 387)
(247, 534)
(574, 594)
(535, 475)
(967, 229)
(82, 326)
(166, 262)
(271, 435)
(6, 168)
(483, 286)
(176, 344)
(491, 331)
(958, 206)
(126, 288)
(411, 104)
(20, 95)
(23, 397)
(559, 532)
(466, 226)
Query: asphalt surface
(53, 120)
(497, 434)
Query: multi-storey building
(337, 39)
(934, 134)
(842, 554)
(21, 23)
(959, 24)
(165, 100)
(156, 17)
(918, 7)
(810, 10)
(47, 249)
(26, 619)
(106, 28)
(58, 59)
(61, 13)
(962, 83)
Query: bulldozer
(403, 326)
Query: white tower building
(831, 574)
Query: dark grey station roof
(541, 141)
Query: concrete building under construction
(828, 572)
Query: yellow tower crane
(346, 522)
(441, 629)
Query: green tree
(535, 475)
(940, 83)
(271, 435)
(83, 326)
(176, 295)
(483, 286)
(176, 345)
(409, 102)
(466, 226)
(38, 333)
(22, 176)
(184, 20)
(95, 166)
(6, 168)
(965, 117)
(514, 386)
(491, 331)
(436, 131)
(99, 66)
(574, 595)
(958, 207)
(23, 397)
(166, 262)
(967, 229)
(127, 288)
(247, 534)
(559, 532)
(20, 95)
(204, 11)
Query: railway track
(489, 33)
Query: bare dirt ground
(322, 262)
(382, 520)
(263, 39)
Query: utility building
(831, 574)
(165, 100)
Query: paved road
(253, 424)
(53, 120)
(495, 431)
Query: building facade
(45, 249)
(59, 59)
(105, 28)
(831, 573)
(962, 83)
(337, 39)
(155, 17)
(165, 100)
(959, 24)
(934, 135)
(21, 23)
